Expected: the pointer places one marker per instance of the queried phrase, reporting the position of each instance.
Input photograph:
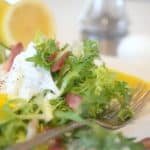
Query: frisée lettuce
(86, 91)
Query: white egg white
(25, 79)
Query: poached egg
(25, 79)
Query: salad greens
(44, 49)
(102, 96)
(96, 138)
(15, 127)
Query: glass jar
(105, 21)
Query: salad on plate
(48, 85)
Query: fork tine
(141, 101)
(140, 96)
(138, 92)
(107, 125)
(139, 89)
(136, 106)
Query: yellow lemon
(3, 99)
(20, 22)
(132, 80)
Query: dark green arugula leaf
(93, 137)
(96, 138)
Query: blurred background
(130, 40)
(121, 26)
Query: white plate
(139, 68)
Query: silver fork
(139, 98)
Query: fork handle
(45, 136)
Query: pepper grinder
(105, 21)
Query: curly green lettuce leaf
(12, 132)
(78, 68)
(45, 47)
(36, 108)
(16, 115)
(103, 94)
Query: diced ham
(1, 83)
(146, 143)
(60, 62)
(52, 56)
(15, 50)
(73, 100)
(56, 145)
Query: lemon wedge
(20, 22)
(133, 81)
(3, 99)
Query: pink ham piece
(15, 50)
(73, 100)
(52, 56)
(60, 62)
(146, 143)
(56, 145)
